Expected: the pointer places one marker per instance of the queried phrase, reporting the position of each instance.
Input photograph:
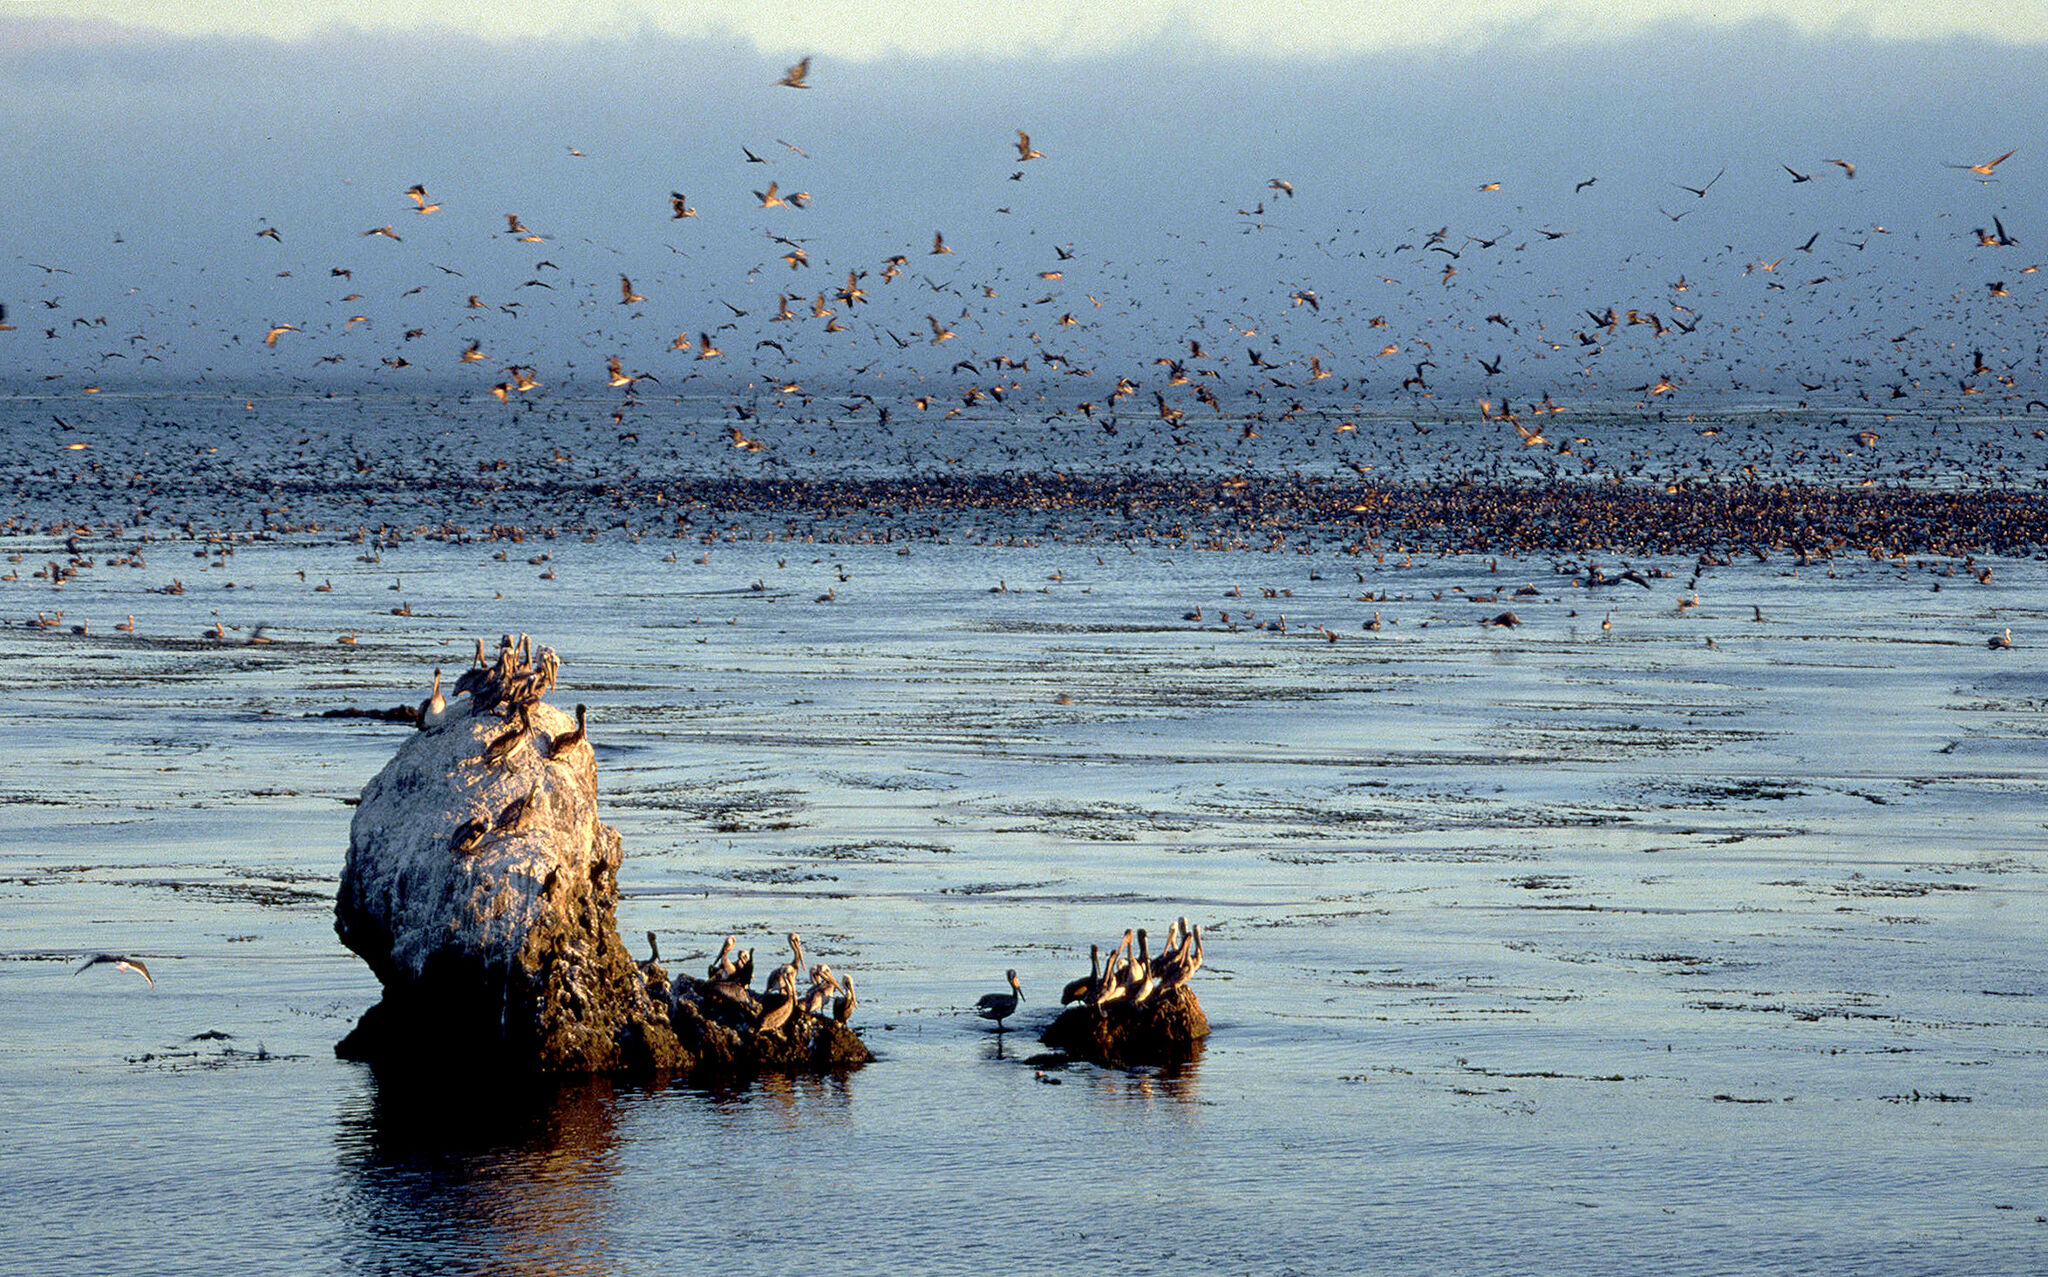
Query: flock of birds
(1184, 364)
(729, 979)
(1132, 978)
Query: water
(1555, 948)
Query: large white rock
(483, 896)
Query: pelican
(1000, 1006)
(778, 1015)
(569, 740)
(794, 77)
(1024, 149)
(2000, 642)
(121, 963)
(722, 966)
(1085, 987)
(842, 1007)
(434, 709)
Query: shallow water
(1558, 948)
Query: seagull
(1701, 191)
(122, 963)
(1000, 1006)
(1984, 169)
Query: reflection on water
(514, 1176)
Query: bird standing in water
(1001, 1006)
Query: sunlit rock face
(482, 891)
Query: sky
(218, 173)
(863, 29)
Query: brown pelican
(778, 1015)
(434, 709)
(1084, 989)
(1000, 1006)
(842, 1007)
(722, 966)
(568, 740)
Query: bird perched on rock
(778, 1015)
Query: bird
(680, 206)
(567, 741)
(1000, 1006)
(939, 244)
(722, 966)
(1701, 191)
(1984, 169)
(121, 963)
(1024, 149)
(434, 709)
(1081, 989)
(1997, 643)
(778, 1015)
(794, 77)
(419, 197)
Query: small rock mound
(1167, 1030)
(1136, 1009)
(724, 1037)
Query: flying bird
(794, 77)
(1024, 149)
(1701, 191)
(1984, 169)
(121, 963)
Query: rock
(484, 898)
(1168, 1029)
(722, 1035)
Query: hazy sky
(1077, 28)
(198, 183)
